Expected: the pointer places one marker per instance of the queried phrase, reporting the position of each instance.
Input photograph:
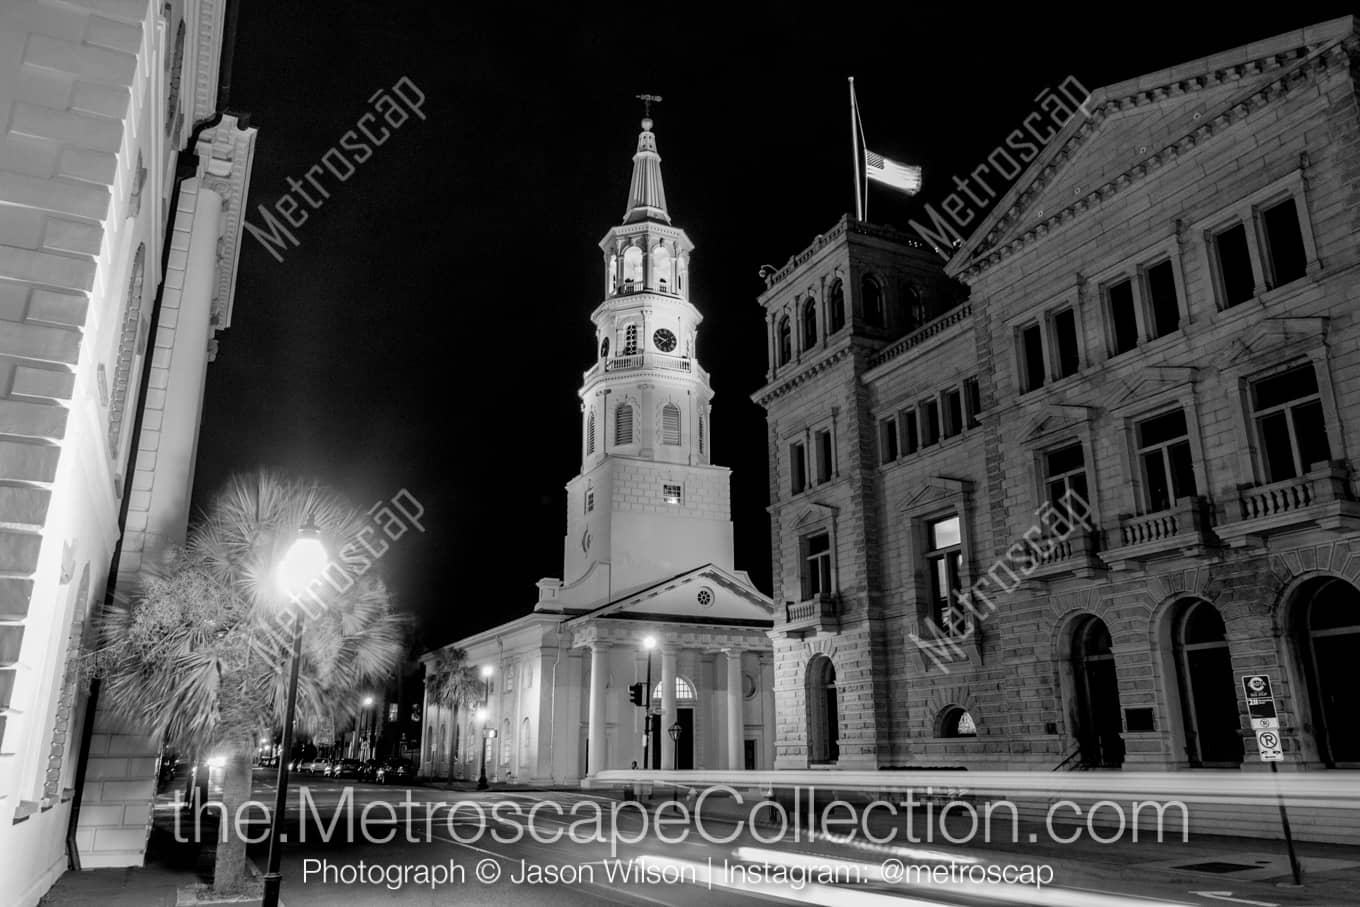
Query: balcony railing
(628, 287)
(821, 612)
(650, 360)
(1321, 498)
(1183, 527)
(1075, 555)
(921, 335)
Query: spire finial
(647, 100)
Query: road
(366, 844)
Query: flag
(890, 173)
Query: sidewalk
(168, 867)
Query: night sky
(431, 329)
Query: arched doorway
(1207, 689)
(1098, 721)
(823, 714)
(1327, 627)
(658, 736)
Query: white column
(667, 707)
(599, 667)
(736, 725)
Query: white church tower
(647, 504)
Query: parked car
(344, 768)
(368, 771)
(395, 771)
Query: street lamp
(481, 718)
(648, 643)
(305, 561)
(363, 729)
(674, 731)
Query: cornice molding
(776, 390)
(1296, 68)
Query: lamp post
(648, 643)
(674, 731)
(361, 730)
(305, 561)
(481, 780)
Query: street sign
(1264, 720)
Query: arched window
(835, 306)
(670, 424)
(809, 323)
(604, 348)
(630, 340)
(611, 280)
(957, 722)
(1327, 630)
(785, 340)
(872, 296)
(684, 691)
(661, 269)
(623, 424)
(914, 307)
(590, 433)
(823, 720)
(1099, 722)
(681, 274)
(632, 269)
(1208, 690)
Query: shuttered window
(590, 433)
(630, 340)
(623, 425)
(670, 424)
(700, 427)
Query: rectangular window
(1235, 279)
(930, 423)
(944, 559)
(972, 401)
(1164, 457)
(1123, 317)
(1159, 285)
(953, 413)
(797, 467)
(672, 494)
(824, 454)
(1285, 257)
(911, 438)
(1031, 358)
(1064, 471)
(887, 440)
(1290, 428)
(590, 500)
(816, 565)
(1065, 340)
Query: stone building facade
(647, 556)
(117, 268)
(1159, 344)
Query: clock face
(664, 340)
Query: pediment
(1274, 335)
(708, 594)
(937, 489)
(1153, 382)
(1057, 419)
(1133, 129)
(814, 514)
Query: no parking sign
(1264, 720)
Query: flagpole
(854, 149)
(864, 149)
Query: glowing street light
(305, 561)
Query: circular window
(664, 340)
(705, 597)
(604, 348)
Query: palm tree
(455, 685)
(200, 652)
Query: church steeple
(646, 194)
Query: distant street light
(481, 719)
(305, 561)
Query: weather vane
(647, 100)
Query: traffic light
(636, 691)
